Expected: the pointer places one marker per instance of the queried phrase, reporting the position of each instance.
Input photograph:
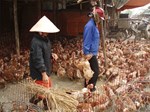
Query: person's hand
(88, 56)
(45, 77)
(54, 56)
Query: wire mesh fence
(15, 97)
(132, 101)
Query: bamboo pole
(103, 27)
(16, 27)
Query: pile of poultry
(126, 74)
(14, 68)
(129, 59)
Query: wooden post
(16, 27)
(101, 2)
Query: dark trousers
(95, 68)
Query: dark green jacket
(40, 57)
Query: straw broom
(57, 100)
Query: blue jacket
(91, 38)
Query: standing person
(40, 56)
(91, 40)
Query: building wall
(6, 16)
(70, 22)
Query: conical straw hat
(44, 25)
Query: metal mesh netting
(16, 106)
(16, 96)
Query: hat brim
(44, 25)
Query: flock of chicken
(126, 74)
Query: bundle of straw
(57, 100)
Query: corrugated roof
(134, 3)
